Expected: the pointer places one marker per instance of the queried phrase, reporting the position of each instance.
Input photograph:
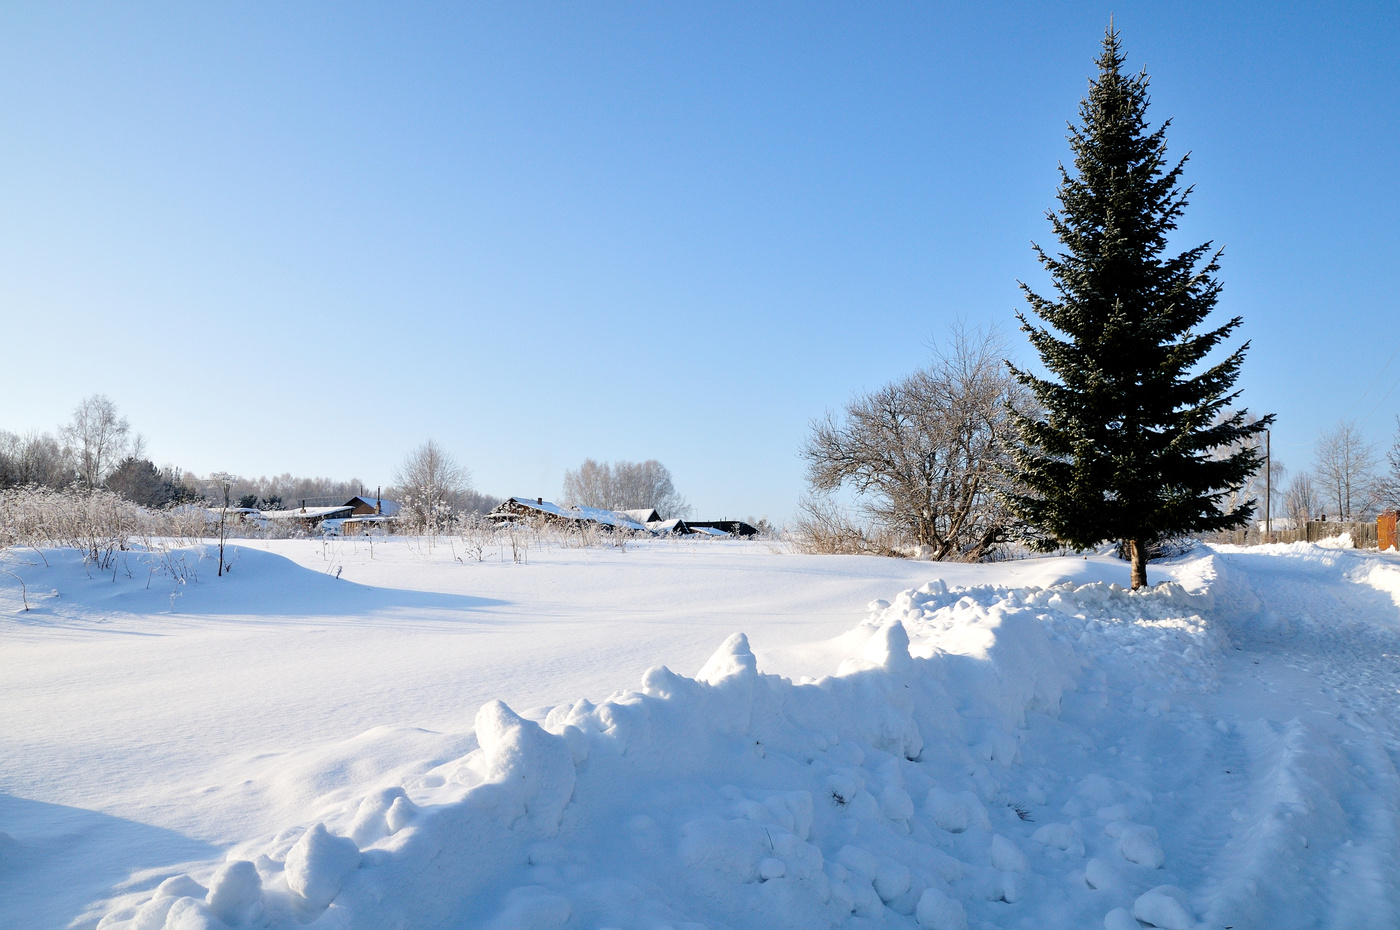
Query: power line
(1362, 395)
(1392, 387)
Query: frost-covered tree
(430, 482)
(1123, 448)
(34, 459)
(625, 486)
(1301, 502)
(1346, 469)
(1390, 483)
(99, 438)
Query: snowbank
(895, 789)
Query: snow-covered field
(342, 736)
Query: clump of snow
(1137, 843)
(317, 866)
(235, 892)
(1120, 919)
(1166, 907)
(937, 911)
(528, 771)
(1006, 857)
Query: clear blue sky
(306, 237)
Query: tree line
(98, 450)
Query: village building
(234, 515)
(307, 516)
(724, 527)
(372, 505)
(520, 509)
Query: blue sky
(307, 237)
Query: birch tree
(98, 437)
(1346, 469)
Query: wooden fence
(1363, 535)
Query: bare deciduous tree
(926, 455)
(1301, 501)
(430, 486)
(1346, 469)
(1390, 483)
(98, 437)
(625, 486)
(34, 459)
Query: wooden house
(372, 505)
(517, 509)
(307, 516)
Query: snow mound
(896, 789)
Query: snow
(359, 733)
(304, 513)
(622, 519)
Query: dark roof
(733, 527)
(387, 507)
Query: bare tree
(625, 486)
(430, 485)
(1346, 466)
(1301, 502)
(226, 482)
(927, 455)
(275, 492)
(34, 459)
(1390, 482)
(98, 438)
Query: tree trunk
(1137, 551)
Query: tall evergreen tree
(1128, 443)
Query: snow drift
(909, 786)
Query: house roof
(645, 515)
(673, 525)
(309, 513)
(587, 514)
(387, 507)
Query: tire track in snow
(1319, 645)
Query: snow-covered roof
(666, 526)
(645, 515)
(587, 514)
(386, 507)
(308, 513)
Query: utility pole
(1268, 491)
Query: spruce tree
(1131, 443)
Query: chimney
(303, 505)
(540, 501)
(378, 504)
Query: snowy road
(1317, 665)
(997, 749)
